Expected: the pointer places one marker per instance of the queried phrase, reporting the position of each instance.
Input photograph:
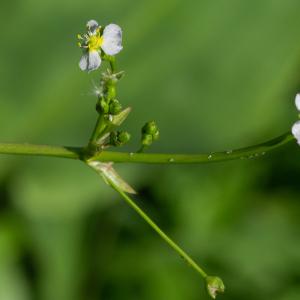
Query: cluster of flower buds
(119, 138)
(296, 126)
(106, 92)
(110, 108)
(150, 133)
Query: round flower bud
(150, 128)
(115, 107)
(214, 286)
(124, 137)
(119, 138)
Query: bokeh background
(215, 75)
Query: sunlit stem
(156, 228)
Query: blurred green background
(215, 75)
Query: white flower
(296, 131)
(92, 43)
(296, 126)
(297, 101)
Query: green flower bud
(150, 128)
(147, 139)
(150, 133)
(119, 138)
(115, 107)
(214, 286)
(124, 137)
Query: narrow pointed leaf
(109, 174)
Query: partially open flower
(94, 41)
(296, 126)
(296, 131)
(297, 102)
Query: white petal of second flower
(296, 131)
(112, 39)
(94, 61)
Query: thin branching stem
(156, 228)
(251, 152)
(255, 151)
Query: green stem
(99, 128)
(41, 150)
(112, 63)
(101, 123)
(157, 158)
(155, 227)
(150, 158)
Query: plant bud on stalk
(115, 107)
(150, 133)
(214, 286)
(150, 128)
(119, 138)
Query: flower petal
(94, 61)
(296, 131)
(90, 61)
(297, 101)
(84, 62)
(92, 26)
(112, 39)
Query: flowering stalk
(102, 44)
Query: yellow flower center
(95, 42)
